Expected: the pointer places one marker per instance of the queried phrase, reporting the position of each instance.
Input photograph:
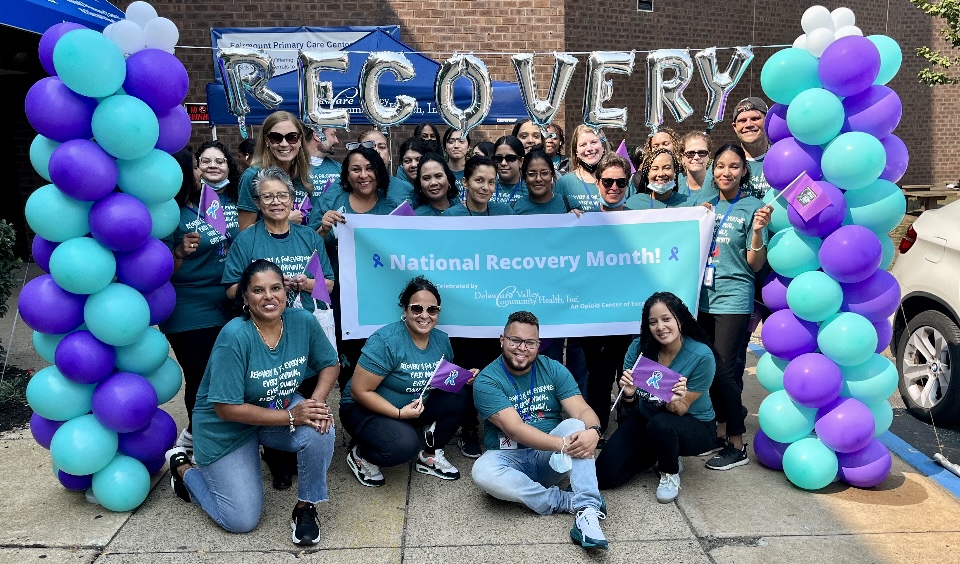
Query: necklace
(274, 347)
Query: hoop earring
(403, 317)
(245, 308)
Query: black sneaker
(729, 457)
(718, 446)
(306, 528)
(177, 457)
(469, 444)
(282, 482)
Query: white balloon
(816, 17)
(140, 13)
(818, 40)
(801, 41)
(161, 33)
(128, 36)
(842, 17)
(107, 31)
(848, 30)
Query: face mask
(316, 161)
(662, 188)
(217, 185)
(561, 462)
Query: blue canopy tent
(507, 106)
(38, 15)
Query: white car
(926, 328)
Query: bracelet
(292, 428)
(758, 249)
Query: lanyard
(713, 245)
(512, 194)
(586, 188)
(533, 382)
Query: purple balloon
(898, 157)
(120, 222)
(58, 113)
(825, 222)
(769, 452)
(787, 158)
(850, 254)
(787, 336)
(124, 402)
(75, 483)
(43, 429)
(83, 358)
(867, 467)
(154, 466)
(845, 425)
(175, 129)
(812, 380)
(48, 308)
(156, 77)
(42, 249)
(849, 65)
(775, 291)
(875, 298)
(884, 334)
(83, 170)
(151, 442)
(776, 123)
(162, 302)
(877, 111)
(49, 40)
(147, 267)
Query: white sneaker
(586, 529)
(669, 488)
(437, 465)
(185, 440)
(367, 473)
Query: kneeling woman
(381, 406)
(652, 431)
(248, 398)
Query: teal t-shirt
(391, 353)
(399, 190)
(556, 204)
(733, 285)
(758, 186)
(461, 187)
(495, 390)
(645, 202)
(430, 211)
(201, 298)
(696, 197)
(290, 253)
(580, 194)
(508, 193)
(246, 202)
(695, 361)
(492, 209)
(242, 369)
(325, 176)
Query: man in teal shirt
(748, 123)
(324, 169)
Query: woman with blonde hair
(580, 184)
(695, 180)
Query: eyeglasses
(282, 197)
(533, 174)
(356, 145)
(509, 158)
(692, 154)
(609, 182)
(417, 309)
(276, 138)
(532, 344)
(208, 160)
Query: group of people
(258, 371)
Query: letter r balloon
(662, 92)
(243, 69)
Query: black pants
(729, 334)
(638, 442)
(604, 356)
(193, 350)
(473, 353)
(387, 442)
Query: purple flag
(654, 378)
(806, 197)
(306, 206)
(211, 210)
(622, 151)
(320, 284)
(403, 209)
(449, 377)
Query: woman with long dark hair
(508, 155)
(435, 188)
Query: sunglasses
(276, 138)
(609, 182)
(509, 158)
(355, 145)
(417, 309)
(552, 135)
(692, 154)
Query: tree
(940, 64)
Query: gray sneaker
(586, 529)
(437, 465)
(669, 488)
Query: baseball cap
(751, 103)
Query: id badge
(708, 275)
(506, 443)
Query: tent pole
(213, 131)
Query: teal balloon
(783, 420)
(83, 446)
(814, 296)
(166, 381)
(40, 150)
(117, 315)
(46, 345)
(853, 160)
(788, 73)
(847, 338)
(882, 416)
(809, 464)
(778, 219)
(889, 252)
(879, 207)
(891, 57)
(57, 398)
(166, 218)
(55, 216)
(815, 116)
(82, 266)
(89, 63)
(770, 372)
(790, 253)
(153, 178)
(122, 485)
(146, 355)
(125, 127)
(870, 382)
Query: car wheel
(928, 360)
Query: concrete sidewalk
(749, 514)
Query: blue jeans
(231, 489)
(525, 476)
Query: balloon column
(104, 121)
(830, 291)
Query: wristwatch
(597, 429)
